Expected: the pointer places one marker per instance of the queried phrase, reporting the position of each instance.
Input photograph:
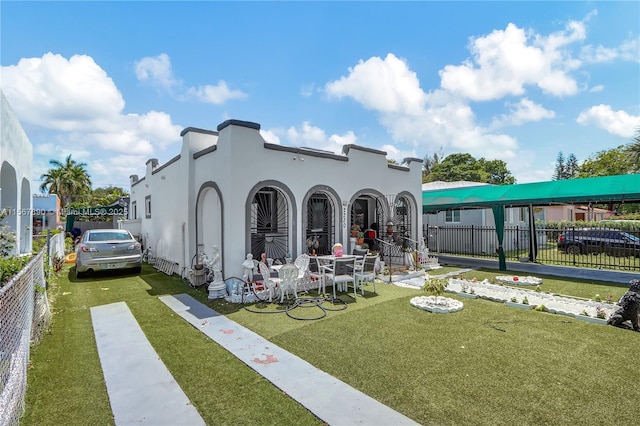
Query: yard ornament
(248, 268)
(217, 289)
(337, 250)
(629, 308)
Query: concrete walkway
(141, 389)
(331, 400)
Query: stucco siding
(16, 170)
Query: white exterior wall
(242, 163)
(16, 170)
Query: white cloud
(158, 71)
(61, 94)
(619, 123)
(307, 90)
(314, 137)
(596, 89)
(385, 85)
(506, 61)
(216, 95)
(628, 50)
(522, 112)
(270, 136)
(397, 154)
(78, 103)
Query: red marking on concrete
(227, 331)
(270, 359)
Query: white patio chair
(302, 263)
(315, 273)
(270, 284)
(288, 276)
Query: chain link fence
(24, 316)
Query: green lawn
(487, 364)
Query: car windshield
(109, 236)
(631, 237)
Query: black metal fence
(482, 242)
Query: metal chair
(340, 271)
(288, 276)
(365, 271)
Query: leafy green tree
(498, 172)
(610, 162)
(429, 162)
(460, 166)
(106, 196)
(69, 180)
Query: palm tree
(69, 180)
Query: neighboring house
(46, 212)
(16, 171)
(481, 219)
(483, 239)
(231, 189)
(573, 213)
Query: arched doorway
(269, 223)
(209, 220)
(403, 222)
(320, 224)
(368, 212)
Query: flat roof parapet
(232, 122)
(198, 130)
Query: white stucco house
(231, 189)
(16, 170)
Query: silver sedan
(107, 250)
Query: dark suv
(599, 240)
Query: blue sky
(114, 83)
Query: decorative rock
(517, 280)
(437, 304)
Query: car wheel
(137, 269)
(79, 274)
(573, 249)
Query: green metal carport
(619, 188)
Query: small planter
(517, 305)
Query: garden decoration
(587, 310)
(629, 307)
(337, 250)
(518, 280)
(435, 302)
(217, 289)
(248, 266)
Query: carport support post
(533, 238)
(498, 217)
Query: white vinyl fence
(24, 316)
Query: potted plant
(354, 230)
(360, 237)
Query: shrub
(10, 266)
